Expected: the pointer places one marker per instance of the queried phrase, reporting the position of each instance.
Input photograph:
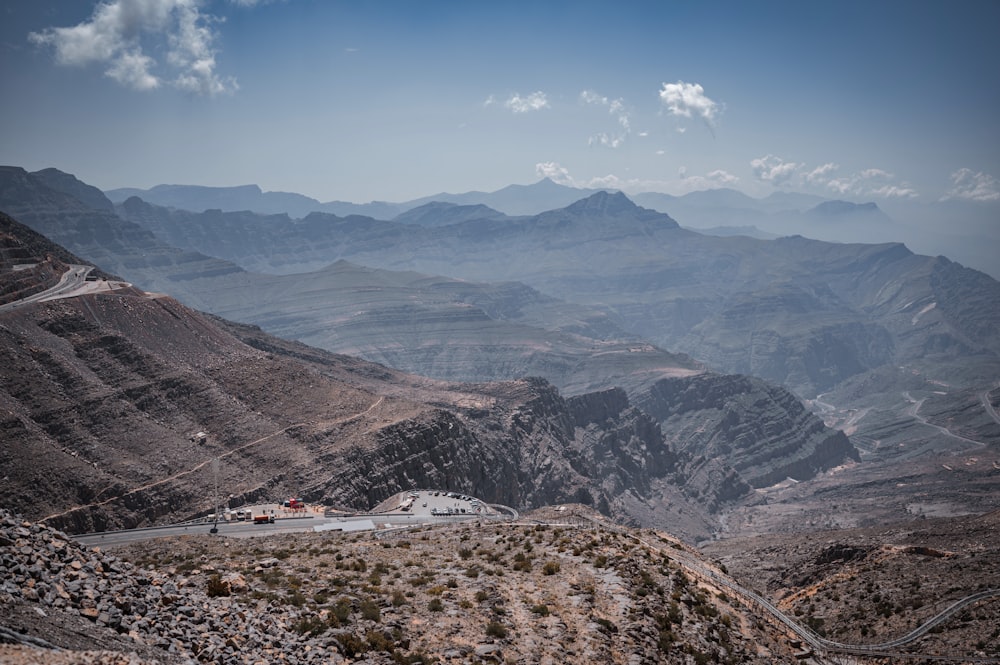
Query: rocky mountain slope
(445, 328)
(102, 395)
(852, 322)
(818, 313)
(438, 327)
(866, 585)
(62, 208)
(804, 313)
(458, 594)
(566, 587)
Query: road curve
(985, 398)
(73, 282)
(818, 643)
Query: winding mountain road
(73, 282)
(985, 398)
(914, 411)
(820, 644)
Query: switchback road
(819, 644)
(73, 282)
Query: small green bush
(370, 611)
(496, 629)
(217, 587)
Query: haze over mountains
(103, 392)
(722, 211)
(738, 304)
(602, 295)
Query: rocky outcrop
(103, 393)
(535, 448)
(736, 432)
(581, 592)
(152, 608)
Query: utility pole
(215, 473)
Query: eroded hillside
(105, 396)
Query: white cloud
(606, 140)
(722, 177)
(536, 101)
(119, 32)
(131, 69)
(773, 169)
(616, 107)
(682, 185)
(973, 186)
(559, 174)
(687, 100)
(893, 192)
(864, 183)
(554, 172)
(819, 174)
(711, 180)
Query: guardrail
(820, 644)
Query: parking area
(434, 503)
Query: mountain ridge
(91, 380)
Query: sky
(887, 101)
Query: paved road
(233, 529)
(820, 644)
(985, 397)
(914, 410)
(72, 283)
(688, 561)
(283, 524)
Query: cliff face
(103, 393)
(736, 432)
(533, 448)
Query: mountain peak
(72, 186)
(603, 202)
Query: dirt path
(203, 464)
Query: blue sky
(880, 101)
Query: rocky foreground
(491, 593)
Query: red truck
(263, 519)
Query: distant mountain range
(602, 297)
(963, 231)
(100, 395)
(804, 313)
(511, 200)
(718, 205)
